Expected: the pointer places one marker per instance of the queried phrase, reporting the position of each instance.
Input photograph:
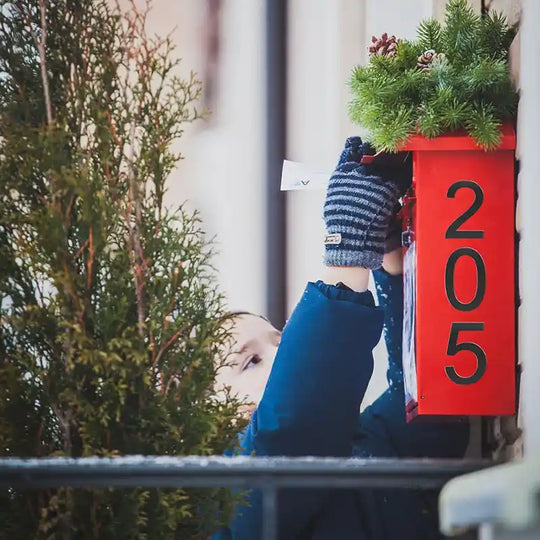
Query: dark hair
(238, 313)
(229, 315)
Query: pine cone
(383, 46)
(426, 60)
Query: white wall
(223, 173)
(529, 195)
(395, 17)
(227, 173)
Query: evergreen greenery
(110, 319)
(468, 86)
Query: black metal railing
(268, 474)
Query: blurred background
(275, 78)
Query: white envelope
(297, 176)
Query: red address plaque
(463, 219)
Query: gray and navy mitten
(360, 203)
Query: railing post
(269, 504)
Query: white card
(297, 176)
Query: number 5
(454, 347)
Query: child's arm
(320, 374)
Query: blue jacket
(311, 407)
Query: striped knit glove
(359, 205)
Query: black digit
(480, 279)
(454, 347)
(453, 231)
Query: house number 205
(454, 231)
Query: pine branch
(484, 128)
(487, 74)
(411, 86)
(429, 35)
(453, 114)
(407, 55)
(429, 121)
(460, 33)
(495, 36)
(395, 130)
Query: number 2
(453, 230)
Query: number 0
(480, 278)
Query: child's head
(255, 345)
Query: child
(255, 343)
(322, 367)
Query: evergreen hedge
(110, 318)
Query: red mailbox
(459, 332)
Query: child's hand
(360, 203)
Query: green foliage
(467, 87)
(484, 126)
(111, 326)
(430, 34)
(495, 35)
(461, 33)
